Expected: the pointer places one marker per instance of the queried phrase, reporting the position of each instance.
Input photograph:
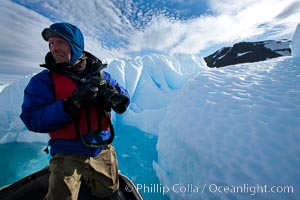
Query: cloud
(230, 21)
(21, 24)
(289, 10)
(119, 29)
(22, 48)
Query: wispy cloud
(118, 29)
(21, 45)
(229, 21)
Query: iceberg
(12, 128)
(233, 133)
(153, 81)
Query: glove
(81, 97)
(84, 95)
(71, 109)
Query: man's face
(60, 49)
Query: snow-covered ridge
(248, 52)
(281, 46)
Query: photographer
(71, 100)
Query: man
(71, 100)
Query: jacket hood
(70, 33)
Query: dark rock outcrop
(245, 52)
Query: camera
(110, 95)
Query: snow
(234, 126)
(3, 86)
(278, 46)
(244, 53)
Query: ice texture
(235, 126)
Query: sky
(129, 28)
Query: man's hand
(84, 95)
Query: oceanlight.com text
(248, 189)
(214, 188)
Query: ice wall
(235, 126)
(153, 81)
(12, 128)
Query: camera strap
(100, 143)
(101, 112)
